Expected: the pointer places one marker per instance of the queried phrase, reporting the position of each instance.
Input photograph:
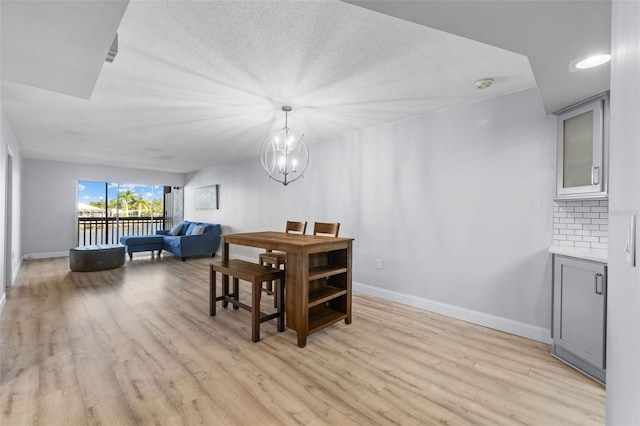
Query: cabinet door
(580, 294)
(580, 150)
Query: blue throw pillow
(175, 230)
(197, 230)
(189, 230)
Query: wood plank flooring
(136, 346)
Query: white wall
(457, 204)
(8, 145)
(50, 197)
(623, 313)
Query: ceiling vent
(113, 51)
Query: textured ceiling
(199, 83)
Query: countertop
(596, 255)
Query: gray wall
(8, 145)
(457, 204)
(623, 327)
(50, 200)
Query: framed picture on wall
(207, 197)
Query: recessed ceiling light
(484, 83)
(592, 61)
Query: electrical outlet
(378, 263)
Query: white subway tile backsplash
(581, 223)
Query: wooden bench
(254, 274)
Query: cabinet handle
(599, 284)
(595, 175)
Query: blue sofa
(183, 244)
(186, 245)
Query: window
(106, 211)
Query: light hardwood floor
(136, 345)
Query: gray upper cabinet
(579, 314)
(583, 149)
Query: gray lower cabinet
(580, 314)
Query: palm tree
(158, 207)
(139, 203)
(125, 197)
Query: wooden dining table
(317, 280)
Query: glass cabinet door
(580, 150)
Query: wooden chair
(326, 229)
(278, 258)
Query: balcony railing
(108, 230)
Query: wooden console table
(318, 277)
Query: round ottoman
(96, 258)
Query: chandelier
(284, 153)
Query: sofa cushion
(185, 226)
(197, 230)
(137, 240)
(175, 230)
(190, 228)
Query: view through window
(106, 211)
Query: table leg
(255, 310)
(212, 291)
(236, 292)
(225, 278)
(279, 297)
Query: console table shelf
(325, 294)
(325, 271)
(324, 318)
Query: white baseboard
(16, 269)
(506, 325)
(517, 328)
(3, 300)
(47, 255)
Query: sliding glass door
(107, 210)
